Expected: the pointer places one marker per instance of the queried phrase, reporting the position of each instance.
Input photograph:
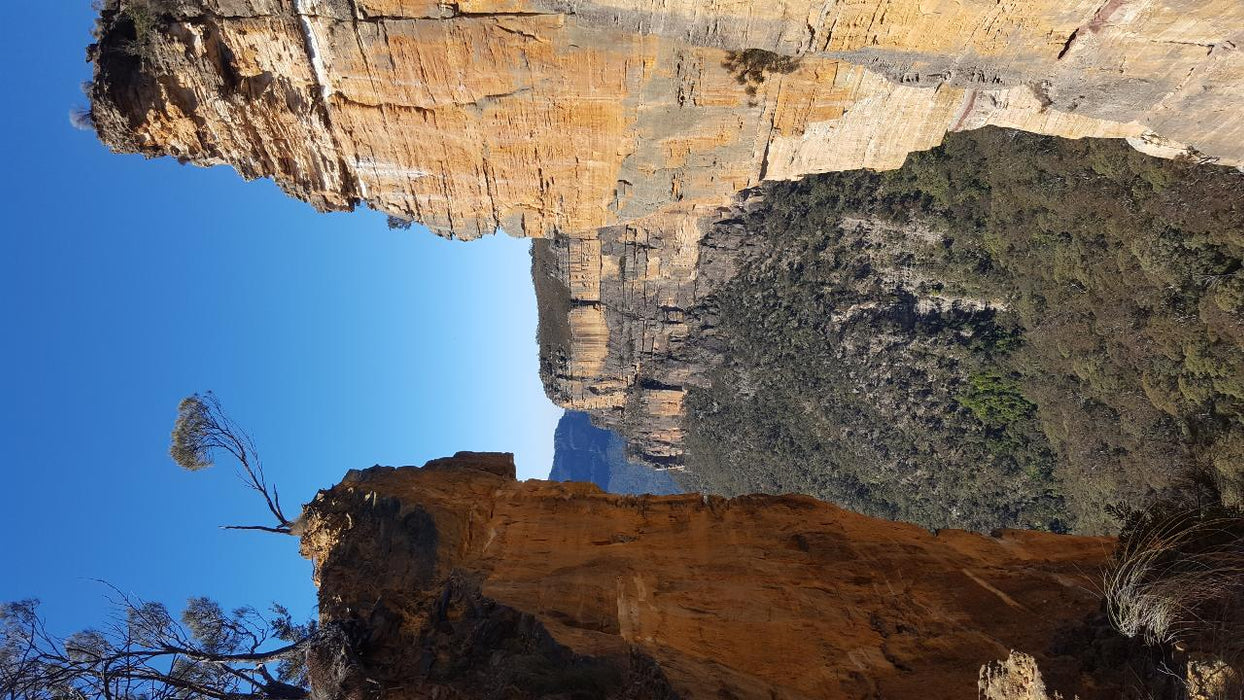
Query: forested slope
(1011, 330)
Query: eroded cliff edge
(569, 115)
(454, 580)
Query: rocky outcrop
(570, 115)
(454, 580)
(623, 329)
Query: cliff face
(457, 581)
(908, 344)
(623, 331)
(570, 115)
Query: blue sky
(128, 284)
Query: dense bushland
(1011, 330)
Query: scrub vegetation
(1011, 330)
(750, 67)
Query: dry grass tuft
(1177, 577)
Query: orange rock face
(687, 596)
(569, 115)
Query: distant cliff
(455, 580)
(620, 329)
(583, 452)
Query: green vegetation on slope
(1011, 330)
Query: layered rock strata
(624, 331)
(456, 581)
(569, 115)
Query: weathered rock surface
(570, 115)
(458, 581)
(622, 328)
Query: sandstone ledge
(458, 566)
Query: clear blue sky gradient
(128, 284)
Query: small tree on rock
(397, 223)
(201, 429)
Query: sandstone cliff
(568, 115)
(456, 581)
(623, 329)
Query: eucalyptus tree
(201, 430)
(145, 653)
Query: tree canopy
(145, 653)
